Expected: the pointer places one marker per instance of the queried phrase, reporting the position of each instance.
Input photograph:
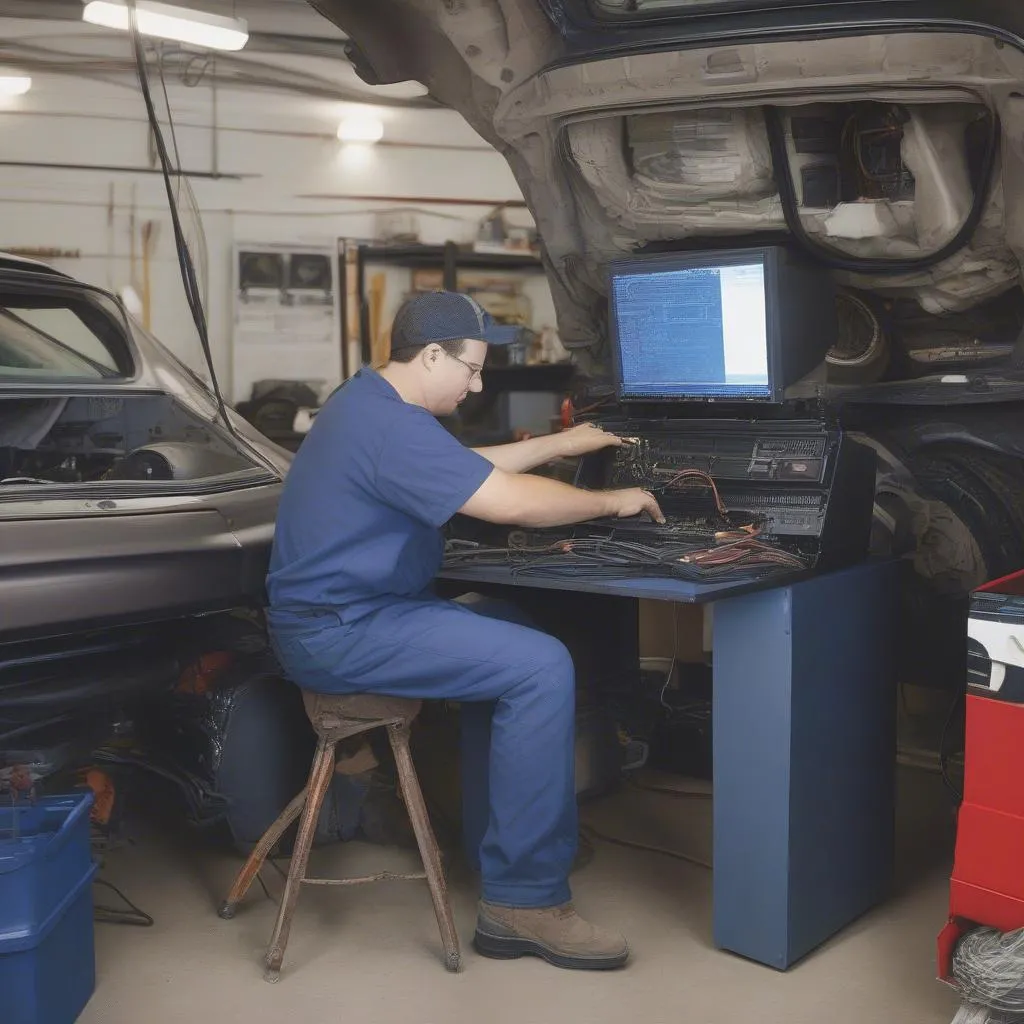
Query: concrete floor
(371, 954)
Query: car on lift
(880, 136)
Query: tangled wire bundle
(605, 558)
(988, 966)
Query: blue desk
(804, 748)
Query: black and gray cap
(447, 316)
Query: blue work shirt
(360, 517)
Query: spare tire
(980, 490)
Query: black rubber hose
(187, 268)
(31, 727)
(867, 265)
(87, 683)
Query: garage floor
(372, 953)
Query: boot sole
(502, 947)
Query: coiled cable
(988, 966)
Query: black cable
(589, 832)
(686, 794)
(188, 273)
(205, 807)
(177, 161)
(263, 886)
(51, 690)
(609, 559)
(10, 734)
(112, 915)
(170, 116)
(960, 698)
(584, 851)
(865, 265)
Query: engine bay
(99, 438)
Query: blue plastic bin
(47, 957)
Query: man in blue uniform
(357, 545)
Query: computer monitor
(729, 325)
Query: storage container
(47, 958)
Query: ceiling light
(14, 85)
(361, 128)
(166, 22)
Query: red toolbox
(987, 885)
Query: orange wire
(706, 478)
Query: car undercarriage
(885, 149)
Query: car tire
(981, 489)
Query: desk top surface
(656, 589)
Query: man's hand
(632, 501)
(522, 456)
(522, 499)
(586, 438)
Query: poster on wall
(285, 317)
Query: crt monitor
(733, 325)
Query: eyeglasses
(474, 371)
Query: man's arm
(522, 456)
(520, 499)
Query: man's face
(452, 378)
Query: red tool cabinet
(987, 885)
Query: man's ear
(430, 356)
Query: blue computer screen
(696, 332)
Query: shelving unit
(449, 258)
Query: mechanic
(357, 545)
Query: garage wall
(274, 154)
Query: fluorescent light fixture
(166, 22)
(14, 85)
(361, 128)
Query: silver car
(124, 497)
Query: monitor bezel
(696, 259)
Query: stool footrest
(383, 876)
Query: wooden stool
(335, 718)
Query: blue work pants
(517, 691)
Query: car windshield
(45, 337)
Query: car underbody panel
(887, 147)
(884, 135)
(70, 572)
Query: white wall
(282, 150)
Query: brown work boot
(556, 934)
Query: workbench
(803, 719)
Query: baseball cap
(446, 316)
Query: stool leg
(319, 782)
(259, 854)
(427, 842)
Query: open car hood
(646, 134)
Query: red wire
(696, 474)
